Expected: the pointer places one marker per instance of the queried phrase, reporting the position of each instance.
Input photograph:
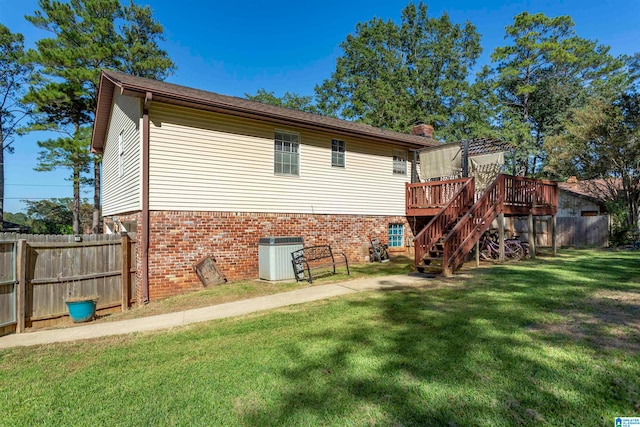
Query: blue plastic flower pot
(81, 311)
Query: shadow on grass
(475, 354)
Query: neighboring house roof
(154, 90)
(599, 189)
(12, 227)
(596, 190)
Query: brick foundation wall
(180, 239)
(117, 227)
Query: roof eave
(102, 114)
(220, 107)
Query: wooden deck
(449, 217)
(522, 196)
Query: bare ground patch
(607, 320)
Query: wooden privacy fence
(583, 231)
(7, 283)
(570, 231)
(40, 271)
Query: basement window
(396, 235)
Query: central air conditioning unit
(274, 257)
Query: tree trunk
(76, 199)
(95, 228)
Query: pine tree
(88, 36)
(545, 71)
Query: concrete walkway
(237, 308)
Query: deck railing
(440, 223)
(530, 193)
(432, 194)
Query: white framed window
(286, 151)
(396, 235)
(120, 154)
(399, 162)
(337, 153)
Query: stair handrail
(434, 230)
(471, 226)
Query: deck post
(554, 241)
(478, 253)
(501, 235)
(532, 235)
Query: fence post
(126, 267)
(21, 291)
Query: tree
(19, 218)
(476, 116)
(545, 71)
(289, 100)
(602, 140)
(13, 76)
(55, 216)
(394, 76)
(50, 216)
(88, 35)
(72, 153)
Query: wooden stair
(430, 240)
(445, 241)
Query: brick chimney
(423, 130)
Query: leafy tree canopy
(53, 216)
(543, 72)
(394, 76)
(289, 100)
(87, 36)
(602, 140)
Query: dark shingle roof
(186, 96)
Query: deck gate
(8, 283)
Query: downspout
(145, 198)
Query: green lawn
(244, 289)
(548, 342)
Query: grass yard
(549, 342)
(244, 289)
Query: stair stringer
(434, 230)
(472, 225)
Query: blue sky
(238, 47)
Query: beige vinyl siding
(122, 193)
(206, 161)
